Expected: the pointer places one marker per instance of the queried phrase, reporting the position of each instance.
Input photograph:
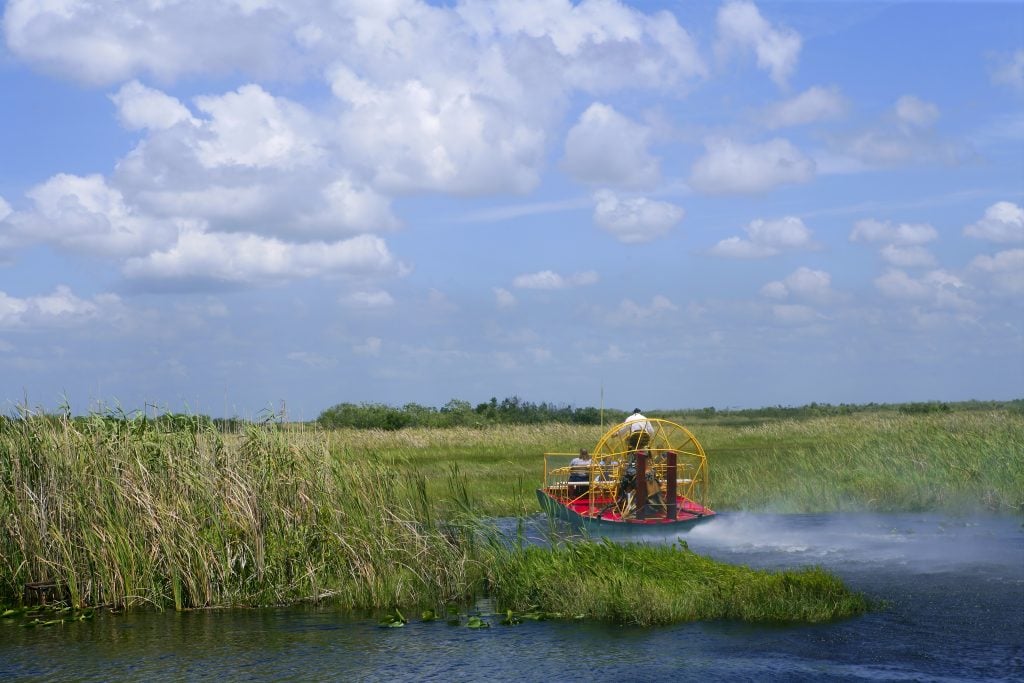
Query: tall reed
(121, 513)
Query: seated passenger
(580, 472)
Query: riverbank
(123, 514)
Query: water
(954, 593)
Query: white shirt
(636, 423)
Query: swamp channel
(948, 595)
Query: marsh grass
(964, 461)
(599, 580)
(956, 462)
(129, 513)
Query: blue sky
(219, 206)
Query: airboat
(654, 479)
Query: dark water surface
(954, 592)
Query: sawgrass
(959, 461)
(127, 513)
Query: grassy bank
(884, 461)
(125, 513)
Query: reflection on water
(953, 588)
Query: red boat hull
(601, 514)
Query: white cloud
(1005, 270)
(904, 136)
(413, 136)
(600, 44)
(937, 288)
(5, 209)
(766, 238)
(547, 279)
(351, 206)
(504, 298)
(907, 257)
(634, 220)
(61, 308)
(804, 284)
(140, 107)
(631, 313)
(607, 148)
(372, 299)
(733, 167)
(741, 27)
(1010, 71)
(251, 127)
(1002, 222)
(231, 258)
(814, 104)
(774, 290)
(915, 111)
(109, 42)
(903, 234)
(84, 213)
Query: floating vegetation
(46, 615)
(394, 620)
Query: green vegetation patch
(130, 513)
(643, 585)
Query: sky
(235, 207)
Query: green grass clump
(646, 585)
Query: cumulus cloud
(504, 298)
(734, 167)
(901, 245)
(904, 136)
(413, 136)
(233, 258)
(814, 104)
(1004, 270)
(547, 279)
(915, 111)
(83, 213)
(803, 283)
(907, 257)
(5, 209)
(630, 313)
(60, 308)
(1002, 222)
(741, 28)
(937, 288)
(139, 107)
(1009, 70)
(605, 147)
(251, 127)
(634, 220)
(766, 238)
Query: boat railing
(602, 477)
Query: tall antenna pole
(602, 405)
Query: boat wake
(914, 542)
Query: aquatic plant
(638, 584)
